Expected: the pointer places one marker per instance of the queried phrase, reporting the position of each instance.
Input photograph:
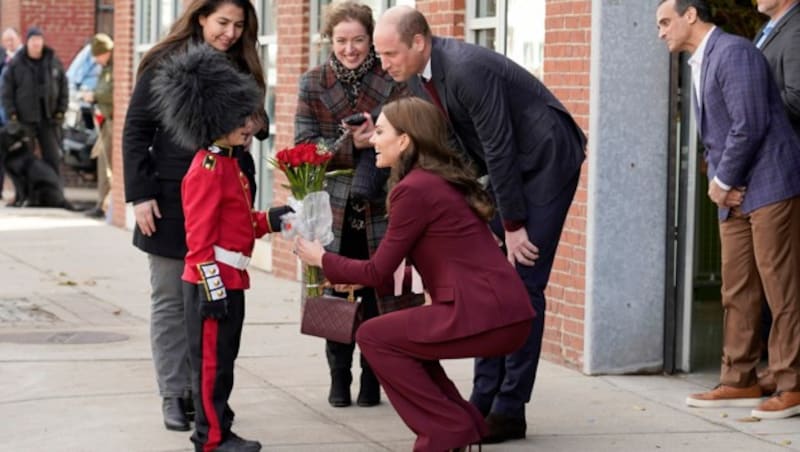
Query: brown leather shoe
(724, 396)
(784, 404)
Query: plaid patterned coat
(322, 104)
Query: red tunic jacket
(473, 287)
(217, 208)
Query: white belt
(234, 259)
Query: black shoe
(174, 417)
(369, 394)
(187, 403)
(236, 443)
(339, 395)
(503, 428)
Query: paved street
(77, 376)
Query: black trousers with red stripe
(213, 348)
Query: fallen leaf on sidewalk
(639, 408)
(786, 442)
(749, 419)
(90, 282)
(117, 311)
(67, 282)
(723, 415)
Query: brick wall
(123, 87)
(566, 73)
(445, 17)
(293, 54)
(67, 24)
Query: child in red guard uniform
(206, 103)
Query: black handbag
(332, 318)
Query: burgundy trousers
(416, 384)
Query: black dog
(35, 182)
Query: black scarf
(351, 78)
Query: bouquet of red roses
(304, 166)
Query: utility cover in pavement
(63, 337)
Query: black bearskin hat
(200, 96)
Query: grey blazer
(782, 49)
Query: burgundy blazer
(473, 287)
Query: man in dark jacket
(35, 94)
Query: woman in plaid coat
(350, 81)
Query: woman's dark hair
(244, 53)
(425, 126)
(341, 11)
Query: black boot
(369, 394)
(174, 417)
(339, 395)
(503, 428)
(340, 359)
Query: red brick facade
(566, 73)
(67, 24)
(123, 87)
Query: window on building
(153, 20)
(514, 28)
(262, 150)
(320, 49)
(104, 17)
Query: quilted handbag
(333, 318)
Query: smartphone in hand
(355, 119)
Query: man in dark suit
(753, 159)
(779, 40)
(519, 134)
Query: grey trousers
(168, 328)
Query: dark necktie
(431, 89)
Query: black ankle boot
(339, 395)
(369, 394)
(174, 417)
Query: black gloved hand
(217, 309)
(212, 298)
(274, 217)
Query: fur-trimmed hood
(199, 96)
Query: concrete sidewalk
(77, 376)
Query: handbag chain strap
(351, 296)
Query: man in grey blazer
(779, 40)
(516, 132)
(753, 158)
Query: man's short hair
(411, 24)
(701, 6)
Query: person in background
(518, 134)
(10, 45)
(84, 72)
(753, 158)
(349, 81)
(35, 94)
(477, 305)
(779, 40)
(154, 165)
(103, 98)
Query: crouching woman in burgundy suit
(477, 306)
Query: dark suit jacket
(473, 287)
(782, 49)
(748, 139)
(509, 122)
